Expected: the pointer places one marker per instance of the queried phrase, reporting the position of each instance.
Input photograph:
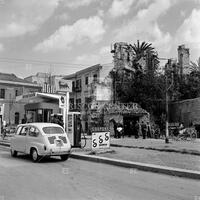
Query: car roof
(40, 124)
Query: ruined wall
(187, 111)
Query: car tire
(64, 157)
(34, 155)
(13, 153)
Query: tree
(195, 66)
(142, 85)
(145, 52)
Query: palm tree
(145, 54)
(195, 66)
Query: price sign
(100, 140)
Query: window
(2, 94)
(33, 132)
(95, 77)
(78, 85)
(18, 130)
(71, 103)
(16, 93)
(24, 131)
(86, 80)
(16, 118)
(73, 85)
(78, 103)
(53, 130)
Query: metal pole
(67, 110)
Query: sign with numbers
(100, 140)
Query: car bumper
(55, 153)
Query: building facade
(89, 86)
(45, 80)
(184, 59)
(11, 87)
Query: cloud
(1, 47)
(103, 55)
(74, 4)
(189, 32)
(120, 7)
(144, 27)
(90, 29)
(63, 17)
(18, 17)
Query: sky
(64, 36)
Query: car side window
(33, 132)
(18, 130)
(24, 131)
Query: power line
(30, 61)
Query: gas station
(41, 107)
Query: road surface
(53, 179)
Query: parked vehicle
(40, 140)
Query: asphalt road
(75, 179)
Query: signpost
(100, 138)
(64, 86)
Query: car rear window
(53, 130)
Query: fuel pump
(74, 129)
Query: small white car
(40, 140)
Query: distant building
(184, 59)
(45, 80)
(122, 55)
(89, 86)
(12, 87)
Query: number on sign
(100, 139)
(106, 137)
(94, 144)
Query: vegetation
(144, 85)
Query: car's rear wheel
(13, 153)
(64, 157)
(34, 155)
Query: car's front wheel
(64, 157)
(34, 155)
(13, 153)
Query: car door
(33, 138)
(20, 139)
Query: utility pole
(167, 108)
(167, 100)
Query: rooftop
(13, 79)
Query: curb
(183, 151)
(140, 166)
(136, 165)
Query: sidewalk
(185, 147)
(176, 154)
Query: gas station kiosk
(74, 128)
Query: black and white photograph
(99, 99)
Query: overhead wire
(40, 62)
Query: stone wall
(187, 111)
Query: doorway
(129, 125)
